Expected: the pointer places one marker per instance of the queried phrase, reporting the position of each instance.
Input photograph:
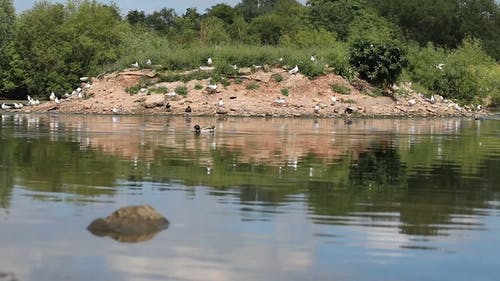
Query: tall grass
(141, 46)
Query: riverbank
(274, 93)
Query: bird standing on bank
(316, 109)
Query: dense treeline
(48, 47)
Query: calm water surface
(278, 199)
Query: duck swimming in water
(206, 129)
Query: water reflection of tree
(53, 166)
(7, 168)
(379, 167)
(374, 177)
(437, 193)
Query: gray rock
(130, 224)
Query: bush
(181, 90)
(377, 63)
(340, 89)
(467, 73)
(278, 77)
(159, 90)
(253, 86)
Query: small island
(273, 92)
(281, 58)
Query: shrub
(133, 89)
(284, 92)
(159, 90)
(378, 63)
(193, 75)
(278, 77)
(143, 82)
(181, 90)
(253, 86)
(467, 73)
(340, 89)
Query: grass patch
(225, 82)
(181, 90)
(376, 92)
(198, 87)
(278, 77)
(133, 89)
(143, 82)
(340, 89)
(186, 77)
(284, 92)
(253, 86)
(158, 90)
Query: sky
(179, 6)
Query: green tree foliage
(269, 28)
(7, 17)
(234, 23)
(55, 44)
(135, 17)
(251, 9)
(466, 74)
(285, 18)
(334, 16)
(224, 12)
(309, 38)
(350, 20)
(377, 63)
(447, 22)
(162, 21)
(213, 32)
(188, 27)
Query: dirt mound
(264, 93)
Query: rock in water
(130, 224)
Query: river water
(260, 199)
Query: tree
(54, 45)
(377, 63)
(224, 12)
(162, 21)
(269, 28)
(285, 17)
(213, 32)
(481, 19)
(334, 16)
(7, 17)
(187, 27)
(251, 9)
(136, 17)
